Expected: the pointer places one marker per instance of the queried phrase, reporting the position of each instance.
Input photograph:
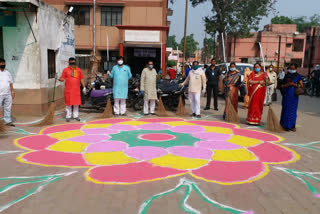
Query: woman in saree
(290, 101)
(246, 98)
(231, 87)
(257, 92)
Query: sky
(291, 8)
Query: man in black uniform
(316, 81)
(213, 75)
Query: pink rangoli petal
(212, 136)
(131, 173)
(109, 121)
(53, 158)
(230, 172)
(257, 135)
(160, 120)
(272, 153)
(120, 127)
(187, 129)
(99, 131)
(62, 128)
(154, 126)
(217, 145)
(37, 142)
(191, 152)
(213, 123)
(318, 195)
(90, 138)
(146, 152)
(108, 146)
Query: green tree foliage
(302, 22)
(191, 45)
(208, 49)
(171, 42)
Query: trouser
(194, 98)
(146, 106)
(315, 88)
(212, 89)
(268, 97)
(6, 102)
(75, 111)
(119, 106)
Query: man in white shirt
(273, 85)
(6, 92)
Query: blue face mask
(257, 70)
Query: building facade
(135, 29)
(312, 54)
(36, 42)
(247, 50)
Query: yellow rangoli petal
(108, 158)
(133, 123)
(67, 134)
(243, 141)
(233, 155)
(69, 146)
(96, 126)
(218, 130)
(178, 162)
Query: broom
(108, 110)
(3, 127)
(48, 119)
(161, 112)
(181, 110)
(273, 123)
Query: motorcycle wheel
(309, 90)
(138, 106)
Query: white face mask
(120, 62)
(270, 69)
(232, 69)
(292, 71)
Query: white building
(36, 42)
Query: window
(244, 60)
(297, 61)
(51, 64)
(288, 45)
(83, 58)
(81, 15)
(298, 45)
(111, 16)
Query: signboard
(142, 36)
(8, 19)
(140, 52)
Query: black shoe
(193, 115)
(124, 115)
(198, 116)
(153, 113)
(11, 124)
(146, 114)
(293, 129)
(216, 109)
(77, 119)
(68, 120)
(206, 108)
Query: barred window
(81, 15)
(51, 64)
(111, 16)
(83, 58)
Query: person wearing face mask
(72, 94)
(6, 92)
(290, 101)
(257, 91)
(232, 81)
(213, 75)
(316, 81)
(197, 82)
(148, 88)
(272, 87)
(120, 74)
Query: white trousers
(119, 106)
(194, 99)
(146, 106)
(6, 102)
(270, 91)
(75, 111)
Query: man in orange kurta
(72, 94)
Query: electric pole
(279, 53)
(185, 31)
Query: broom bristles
(273, 123)
(231, 113)
(181, 110)
(108, 110)
(161, 112)
(48, 119)
(3, 127)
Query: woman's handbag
(243, 90)
(298, 91)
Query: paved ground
(279, 191)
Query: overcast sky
(289, 8)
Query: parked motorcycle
(170, 92)
(307, 83)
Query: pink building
(313, 34)
(246, 50)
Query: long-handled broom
(181, 110)
(48, 119)
(108, 110)
(161, 112)
(273, 123)
(3, 127)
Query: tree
(303, 23)
(171, 42)
(208, 49)
(191, 45)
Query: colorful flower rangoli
(125, 151)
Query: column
(121, 49)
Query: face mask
(232, 69)
(292, 71)
(120, 62)
(2, 66)
(72, 65)
(270, 69)
(257, 70)
(195, 67)
(150, 66)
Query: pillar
(163, 60)
(121, 49)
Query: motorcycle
(307, 84)
(170, 92)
